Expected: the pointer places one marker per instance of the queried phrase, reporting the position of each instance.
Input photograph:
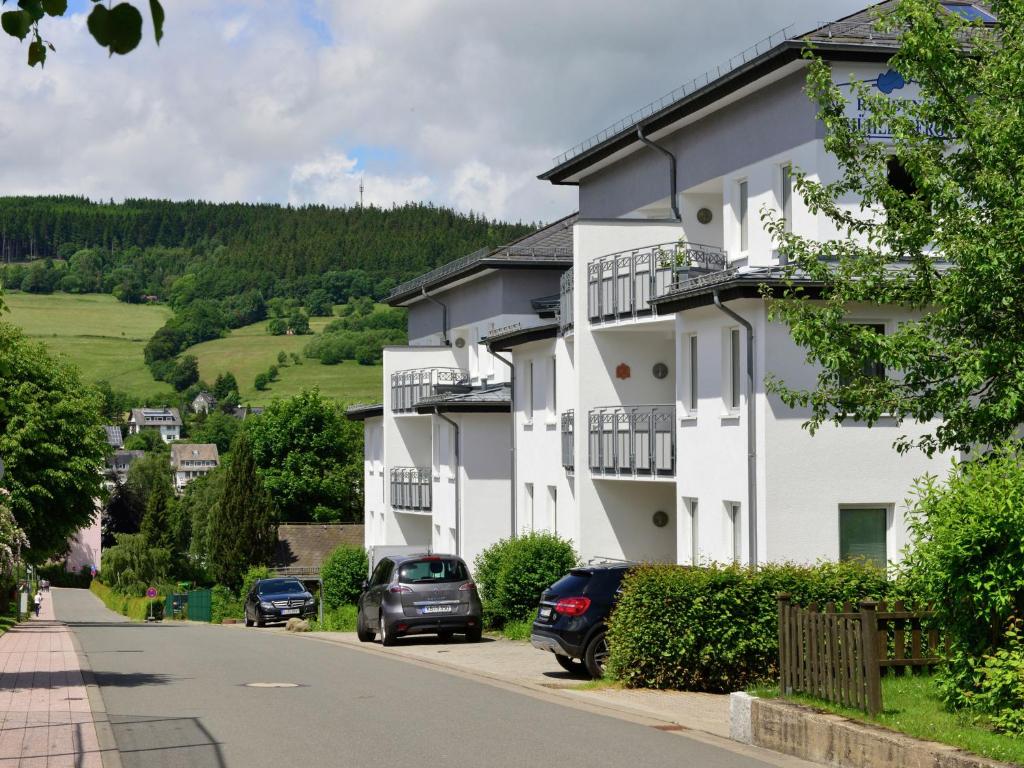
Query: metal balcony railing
(410, 488)
(622, 285)
(565, 305)
(568, 439)
(409, 387)
(633, 441)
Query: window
(552, 398)
(786, 199)
(736, 528)
(744, 216)
(867, 368)
(553, 508)
(694, 534)
(734, 368)
(528, 391)
(432, 570)
(691, 396)
(899, 177)
(528, 505)
(862, 534)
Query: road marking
(271, 685)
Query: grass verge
(9, 617)
(341, 619)
(516, 630)
(913, 707)
(135, 608)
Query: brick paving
(45, 718)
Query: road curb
(109, 753)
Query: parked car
(419, 594)
(572, 617)
(278, 600)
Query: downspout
(673, 177)
(458, 471)
(444, 316)
(512, 450)
(751, 430)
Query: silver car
(419, 594)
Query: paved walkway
(44, 705)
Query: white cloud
(291, 100)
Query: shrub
(58, 576)
(254, 574)
(967, 559)
(512, 574)
(341, 619)
(131, 565)
(716, 628)
(261, 382)
(277, 327)
(343, 573)
(224, 604)
(1002, 683)
(135, 608)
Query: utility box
(200, 607)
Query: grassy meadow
(105, 338)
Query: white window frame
(786, 195)
(528, 504)
(734, 515)
(553, 507)
(691, 382)
(732, 371)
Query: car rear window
(573, 583)
(435, 570)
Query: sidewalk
(44, 704)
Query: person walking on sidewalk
(38, 601)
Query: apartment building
(192, 460)
(167, 420)
(438, 458)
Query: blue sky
(457, 102)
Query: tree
(242, 528)
(218, 428)
(157, 522)
(130, 566)
(319, 304)
(149, 476)
(298, 323)
(942, 201)
(277, 327)
(195, 509)
(262, 381)
(186, 373)
(146, 440)
(51, 441)
(310, 458)
(12, 542)
(272, 373)
(122, 513)
(118, 29)
(282, 358)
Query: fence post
(785, 686)
(869, 656)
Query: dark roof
(363, 411)
(495, 398)
(114, 437)
(851, 38)
(514, 337)
(307, 545)
(549, 247)
(156, 417)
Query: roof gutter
(673, 180)
(751, 431)
(444, 316)
(458, 471)
(512, 450)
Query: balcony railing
(568, 439)
(622, 285)
(409, 387)
(410, 488)
(565, 306)
(633, 441)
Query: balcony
(565, 305)
(410, 488)
(568, 440)
(409, 387)
(633, 441)
(621, 285)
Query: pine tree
(242, 529)
(157, 522)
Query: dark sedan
(278, 600)
(419, 594)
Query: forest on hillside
(140, 247)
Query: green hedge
(343, 573)
(224, 604)
(56, 574)
(135, 608)
(512, 574)
(716, 628)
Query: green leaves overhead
(36, 53)
(118, 29)
(157, 12)
(54, 7)
(16, 23)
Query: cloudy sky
(461, 102)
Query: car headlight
(268, 606)
(311, 601)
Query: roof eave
(507, 341)
(403, 299)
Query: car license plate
(436, 609)
(545, 612)
(289, 611)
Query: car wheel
(474, 635)
(596, 656)
(385, 637)
(571, 666)
(248, 621)
(259, 620)
(364, 635)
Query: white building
(192, 460)
(642, 426)
(167, 420)
(438, 448)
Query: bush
(343, 573)
(58, 576)
(1002, 683)
(967, 559)
(512, 574)
(341, 619)
(224, 604)
(135, 608)
(254, 574)
(277, 327)
(261, 382)
(131, 566)
(716, 628)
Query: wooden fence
(840, 655)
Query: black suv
(573, 614)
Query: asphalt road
(177, 695)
